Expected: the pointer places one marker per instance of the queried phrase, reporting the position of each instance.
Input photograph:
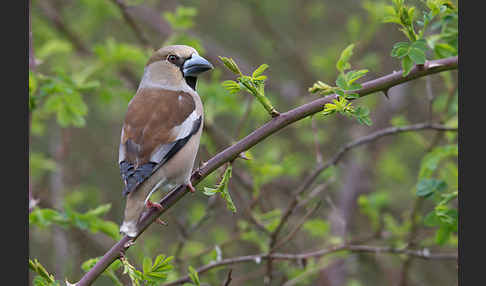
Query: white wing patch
(121, 149)
(185, 128)
(180, 131)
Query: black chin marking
(191, 81)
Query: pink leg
(191, 187)
(154, 205)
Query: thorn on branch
(385, 92)
(242, 155)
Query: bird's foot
(150, 205)
(191, 187)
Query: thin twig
(293, 232)
(421, 254)
(410, 240)
(228, 278)
(131, 22)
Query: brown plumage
(142, 125)
(161, 131)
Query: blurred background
(87, 58)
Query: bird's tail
(135, 207)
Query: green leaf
(407, 65)
(37, 267)
(343, 62)
(100, 210)
(210, 191)
(231, 86)
(352, 76)
(341, 82)
(222, 189)
(147, 265)
(229, 202)
(420, 45)
(431, 161)
(427, 187)
(400, 49)
(352, 95)
(317, 227)
(194, 276)
(231, 65)
(259, 70)
(362, 114)
(340, 92)
(444, 50)
(443, 234)
(44, 217)
(417, 56)
(321, 87)
(182, 18)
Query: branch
(422, 254)
(131, 22)
(297, 227)
(271, 127)
(228, 278)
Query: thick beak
(195, 65)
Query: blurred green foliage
(89, 63)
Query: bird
(161, 130)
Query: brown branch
(414, 217)
(257, 136)
(317, 190)
(421, 254)
(228, 278)
(131, 22)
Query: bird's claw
(191, 187)
(154, 205)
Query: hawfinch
(161, 132)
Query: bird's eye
(172, 58)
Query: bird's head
(173, 67)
